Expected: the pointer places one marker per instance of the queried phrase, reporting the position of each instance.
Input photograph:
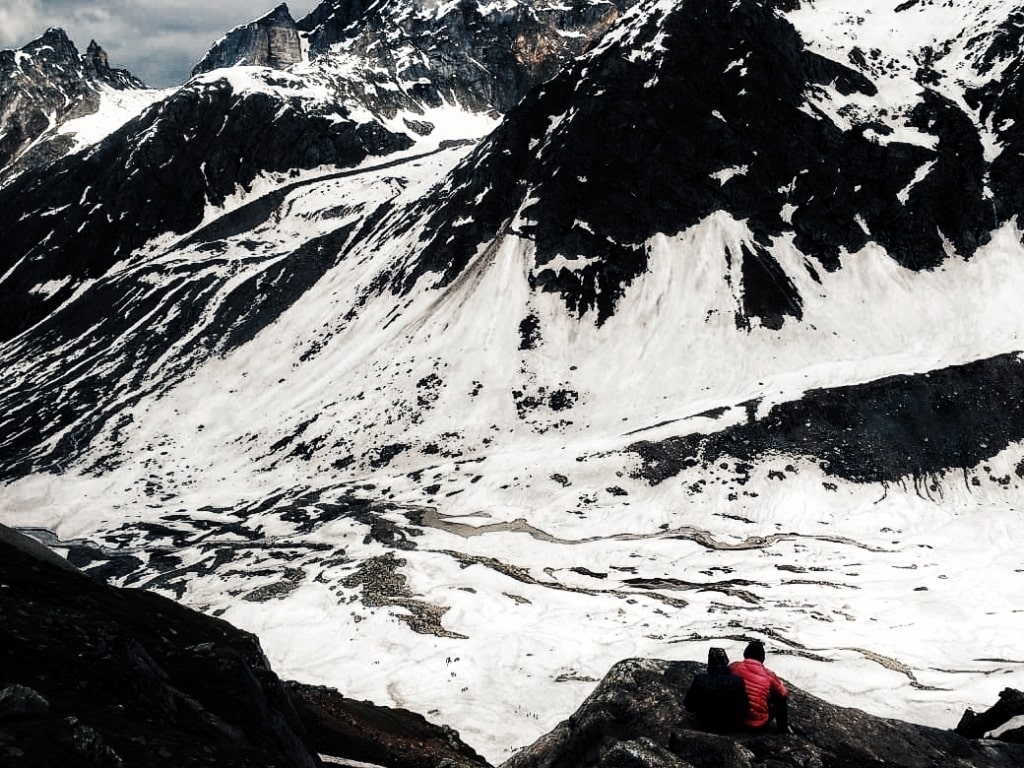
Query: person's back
(766, 693)
(717, 697)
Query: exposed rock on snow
(1010, 706)
(901, 428)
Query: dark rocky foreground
(383, 736)
(91, 675)
(96, 676)
(635, 719)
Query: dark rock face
(44, 84)
(999, 102)
(359, 730)
(272, 41)
(695, 110)
(636, 719)
(975, 725)
(96, 676)
(482, 56)
(901, 427)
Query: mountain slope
(687, 113)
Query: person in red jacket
(766, 694)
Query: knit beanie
(718, 657)
(754, 650)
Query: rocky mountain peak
(97, 57)
(56, 40)
(46, 83)
(270, 41)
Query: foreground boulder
(635, 719)
(1010, 707)
(91, 675)
(385, 736)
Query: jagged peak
(259, 42)
(95, 55)
(280, 14)
(55, 38)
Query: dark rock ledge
(635, 719)
(92, 675)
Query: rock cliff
(97, 676)
(271, 41)
(91, 675)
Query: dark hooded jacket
(717, 697)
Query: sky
(158, 41)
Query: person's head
(754, 650)
(718, 660)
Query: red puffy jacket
(761, 683)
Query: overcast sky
(157, 40)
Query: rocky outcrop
(91, 675)
(1010, 707)
(46, 83)
(362, 731)
(484, 56)
(910, 427)
(94, 676)
(271, 41)
(635, 719)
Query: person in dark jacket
(767, 694)
(717, 697)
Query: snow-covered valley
(468, 482)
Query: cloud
(157, 40)
(20, 21)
